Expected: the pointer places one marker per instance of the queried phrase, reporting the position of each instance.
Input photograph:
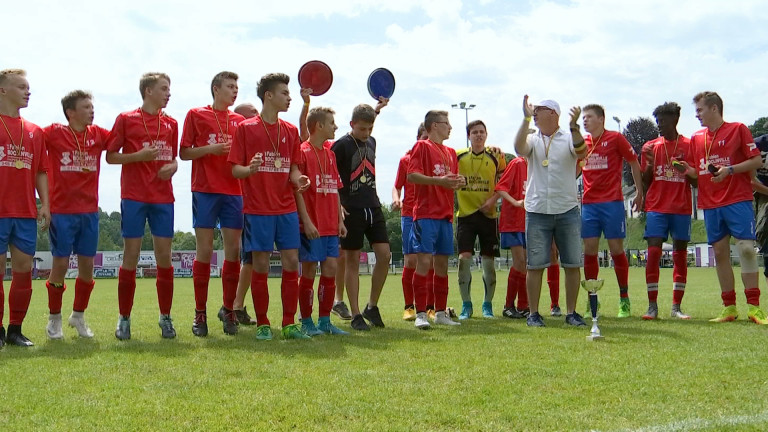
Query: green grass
(486, 375)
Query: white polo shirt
(551, 189)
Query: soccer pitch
(487, 374)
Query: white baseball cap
(549, 103)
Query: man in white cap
(551, 201)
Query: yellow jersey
(482, 171)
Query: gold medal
(278, 162)
(19, 164)
(669, 173)
(545, 163)
(84, 169)
(363, 179)
(582, 163)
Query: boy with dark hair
(74, 158)
(265, 153)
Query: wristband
(730, 170)
(306, 103)
(528, 118)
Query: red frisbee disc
(317, 76)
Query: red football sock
(306, 296)
(522, 291)
(511, 289)
(289, 292)
(591, 267)
(621, 268)
(753, 296)
(677, 295)
(408, 285)
(19, 296)
(325, 292)
(553, 280)
(83, 292)
(201, 275)
(164, 284)
(652, 273)
(680, 271)
(431, 288)
(260, 295)
(230, 276)
(420, 292)
(441, 292)
(126, 288)
(729, 298)
(55, 296)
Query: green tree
(638, 132)
(183, 241)
(759, 127)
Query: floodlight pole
(466, 107)
(618, 122)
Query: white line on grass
(700, 423)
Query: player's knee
(747, 256)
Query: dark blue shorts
(74, 233)
(512, 239)
(607, 218)
(737, 219)
(433, 236)
(136, 214)
(264, 233)
(662, 225)
(406, 223)
(20, 232)
(319, 249)
(210, 210)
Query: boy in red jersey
(216, 197)
(432, 168)
(724, 158)
(145, 142)
(265, 153)
(603, 203)
(405, 204)
(23, 165)
(667, 206)
(74, 159)
(321, 222)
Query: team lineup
(270, 185)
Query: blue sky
(628, 56)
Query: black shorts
(477, 225)
(367, 222)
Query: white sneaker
(54, 327)
(442, 318)
(77, 321)
(421, 321)
(677, 313)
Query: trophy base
(594, 338)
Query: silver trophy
(592, 286)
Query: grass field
(486, 375)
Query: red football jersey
(134, 130)
(432, 160)
(322, 196)
(602, 172)
(268, 191)
(204, 126)
(730, 144)
(74, 161)
(401, 181)
(513, 181)
(669, 191)
(22, 156)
